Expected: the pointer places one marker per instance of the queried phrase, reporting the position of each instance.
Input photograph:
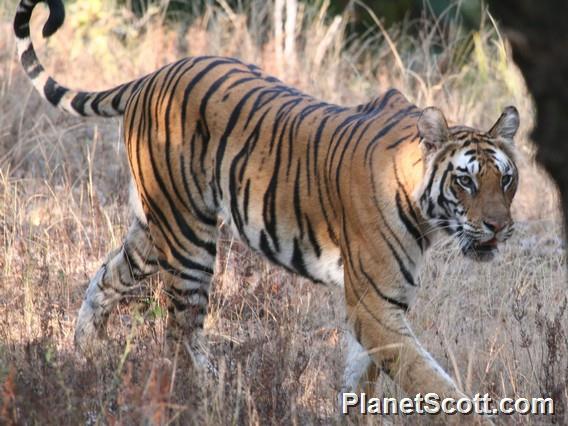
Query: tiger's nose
(495, 225)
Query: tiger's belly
(290, 248)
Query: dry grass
(275, 339)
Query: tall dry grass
(274, 338)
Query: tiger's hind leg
(187, 310)
(188, 291)
(124, 268)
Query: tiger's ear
(507, 125)
(433, 130)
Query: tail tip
(56, 17)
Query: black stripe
(396, 118)
(199, 213)
(213, 88)
(360, 298)
(176, 272)
(182, 224)
(402, 139)
(297, 203)
(117, 97)
(384, 219)
(131, 260)
(312, 237)
(97, 98)
(269, 213)
(442, 200)
(246, 201)
(78, 102)
(156, 211)
(298, 262)
(235, 178)
(357, 329)
(413, 228)
(233, 120)
(397, 303)
(346, 145)
(35, 71)
(317, 140)
(22, 23)
(56, 17)
(28, 58)
(195, 80)
(53, 91)
(407, 223)
(170, 87)
(431, 181)
(260, 101)
(405, 272)
(265, 247)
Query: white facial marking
(503, 162)
(463, 161)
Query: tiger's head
(470, 180)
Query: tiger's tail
(107, 103)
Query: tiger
(346, 196)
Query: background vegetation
(390, 11)
(275, 339)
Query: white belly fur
(325, 268)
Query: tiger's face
(470, 181)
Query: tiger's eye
(506, 180)
(465, 181)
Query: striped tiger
(351, 196)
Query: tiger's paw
(90, 333)
(90, 328)
(197, 348)
(88, 339)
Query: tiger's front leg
(382, 339)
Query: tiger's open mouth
(480, 251)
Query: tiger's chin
(480, 251)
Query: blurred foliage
(468, 12)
